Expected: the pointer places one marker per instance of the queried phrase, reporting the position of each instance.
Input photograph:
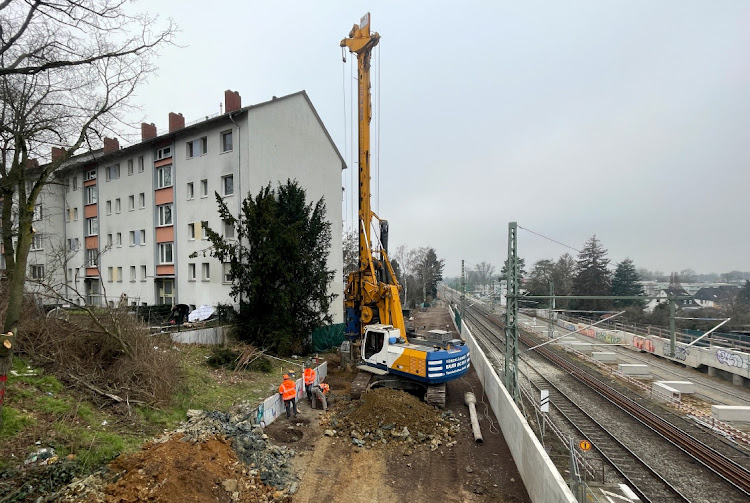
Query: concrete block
(603, 356)
(583, 347)
(634, 369)
(739, 413)
(738, 380)
(663, 391)
(684, 387)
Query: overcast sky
(629, 120)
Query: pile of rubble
(386, 417)
(213, 456)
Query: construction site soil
(387, 446)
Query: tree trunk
(16, 282)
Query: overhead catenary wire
(550, 239)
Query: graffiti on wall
(680, 353)
(731, 359)
(643, 344)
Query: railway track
(648, 485)
(729, 470)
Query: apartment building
(120, 224)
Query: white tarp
(200, 314)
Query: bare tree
(484, 272)
(68, 69)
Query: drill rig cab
(375, 325)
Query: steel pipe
(471, 401)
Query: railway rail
(729, 470)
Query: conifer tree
(592, 276)
(626, 281)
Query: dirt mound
(384, 416)
(179, 470)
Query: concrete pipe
(471, 401)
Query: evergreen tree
(626, 281)
(429, 273)
(521, 269)
(278, 266)
(592, 276)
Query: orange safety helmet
(286, 376)
(324, 387)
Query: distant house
(716, 296)
(664, 294)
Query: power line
(550, 239)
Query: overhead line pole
(511, 314)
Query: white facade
(161, 190)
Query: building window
(110, 274)
(131, 203)
(37, 212)
(143, 237)
(164, 177)
(113, 172)
(109, 240)
(163, 153)
(141, 167)
(37, 272)
(118, 242)
(226, 272)
(67, 185)
(92, 258)
(132, 238)
(89, 175)
(71, 245)
(119, 274)
(92, 226)
(226, 141)
(165, 253)
(197, 147)
(204, 226)
(132, 274)
(75, 214)
(141, 200)
(143, 273)
(165, 214)
(191, 231)
(204, 188)
(108, 205)
(130, 167)
(89, 194)
(190, 192)
(191, 272)
(75, 182)
(228, 230)
(117, 205)
(227, 183)
(36, 242)
(206, 271)
(70, 275)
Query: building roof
(99, 155)
(721, 293)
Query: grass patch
(14, 421)
(52, 405)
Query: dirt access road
(333, 470)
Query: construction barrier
(540, 476)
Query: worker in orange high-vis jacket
(288, 391)
(309, 375)
(319, 392)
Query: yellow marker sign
(585, 445)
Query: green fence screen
(327, 337)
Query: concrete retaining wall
(540, 476)
(209, 336)
(723, 359)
